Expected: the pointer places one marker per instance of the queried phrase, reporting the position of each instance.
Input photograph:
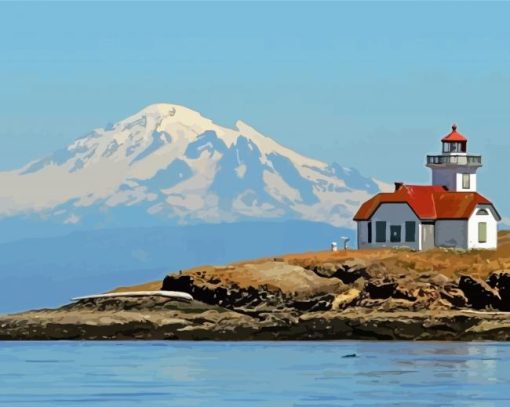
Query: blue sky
(369, 85)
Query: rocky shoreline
(198, 322)
(390, 298)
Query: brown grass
(150, 286)
(451, 263)
(447, 261)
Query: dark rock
(351, 270)
(403, 294)
(479, 294)
(454, 296)
(500, 280)
(178, 283)
(381, 289)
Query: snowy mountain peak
(170, 164)
(167, 110)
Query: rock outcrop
(134, 318)
(479, 294)
(348, 271)
(454, 296)
(198, 321)
(258, 286)
(301, 297)
(500, 281)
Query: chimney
(398, 185)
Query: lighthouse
(450, 213)
(454, 168)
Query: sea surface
(344, 373)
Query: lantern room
(454, 142)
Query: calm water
(254, 374)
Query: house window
(410, 231)
(482, 232)
(482, 212)
(380, 232)
(395, 233)
(466, 181)
(369, 232)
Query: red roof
(454, 135)
(427, 202)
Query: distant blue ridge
(48, 271)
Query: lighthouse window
(466, 181)
(380, 232)
(482, 212)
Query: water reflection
(256, 374)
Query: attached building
(449, 213)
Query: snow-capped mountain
(169, 164)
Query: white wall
(451, 233)
(492, 229)
(452, 177)
(472, 182)
(392, 214)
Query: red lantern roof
(454, 136)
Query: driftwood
(178, 295)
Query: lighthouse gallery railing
(474, 160)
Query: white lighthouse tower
(450, 213)
(455, 168)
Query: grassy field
(446, 261)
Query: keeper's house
(449, 213)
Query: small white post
(333, 247)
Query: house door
(395, 232)
(427, 236)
